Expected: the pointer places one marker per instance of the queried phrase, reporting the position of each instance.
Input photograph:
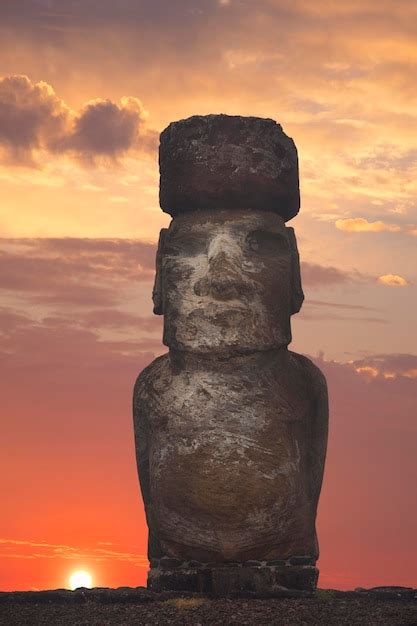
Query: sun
(80, 579)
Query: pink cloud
(33, 118)
(315, 275)
(86, 272)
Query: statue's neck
(181, 359)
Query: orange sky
(85, 89)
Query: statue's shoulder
(311, 373)
(152, 379)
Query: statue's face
(226, 282)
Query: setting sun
(80, 579)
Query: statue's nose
(224, 279)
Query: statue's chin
(226, 330)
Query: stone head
(227, 281)
(228, 275)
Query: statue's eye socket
(265, 242)
(185, 245)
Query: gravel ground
(325, 610)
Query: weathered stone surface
(222, 580)
(236, 454)
(230, 162)
(174, 580)
(169, 563)
(227, 282)
(230, 426)
(301, 560)
(225, 582)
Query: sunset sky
(86, 86)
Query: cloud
(69, 353)
(315, 310)
(340, 305)
(387, 157)
(86, 272)
(387, 366)
(106, 129)
(314, 275)
(361, 225)
(26, 549)
(33, 119)
(393, 280)
(112, 318)
(326, 316)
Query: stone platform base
(223, 579)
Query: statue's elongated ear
(157, 293)
(297, 295)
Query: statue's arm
(317, 425)
(141, 437)
(141, 414)
(319, 431)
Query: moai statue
(230, 426)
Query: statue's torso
(231, 474)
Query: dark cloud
(127, 253)
(88, 272)
(162, 11)
(329, 316)
(113, 318)
(282, 42)
(52, 280)
(33, 118)
(339, 305)
(314, 275)
(319, 310)
(106, 129)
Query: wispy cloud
(44, 550)
(315, 275)
(363, 225)
(84, 272)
